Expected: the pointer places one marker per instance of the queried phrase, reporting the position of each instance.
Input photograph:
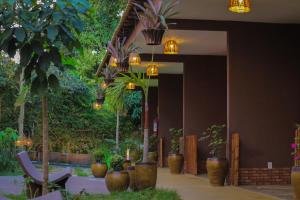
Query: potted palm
(153, 18)
(117, 180)
(175, 159)
(99, 168)
(295, 176)
(217, 166)
(109, 73)
(152, 154)
(121, 53)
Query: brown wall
(264, 91)
(170, 107)
(204, 96)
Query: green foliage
(157, 194)
(214, 135)
(133, 104)
(8, 161)
(175, 139)
(99, 155)
(80, 172)
(116, 162)
(42, 31)
(153, 140)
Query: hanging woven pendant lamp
(134, 59)
(152, 70)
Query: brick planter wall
(264, 176)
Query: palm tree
(119, 89)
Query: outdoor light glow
(171, 47)
(23, 141)
(239, 6)
(128, 154)
(152, 70)
(131, 86)
(134, 59)
(103, 85)
(113, 62)
(97, 106)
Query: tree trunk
(22, 107)
(146, 131)
(117, 130)
(45, 143)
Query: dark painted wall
(204, 96)
(170, 107)
(264, 91)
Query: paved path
(197, 188)
(189, 187)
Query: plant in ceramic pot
(99, 167)
(109, 73)
(117, 180)
(152, 154)
(153, 17)
(175, 159)
(217, 166)
(295, 176)
(120, 52)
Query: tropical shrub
(175, 139)
(116, 162)
(8, 161)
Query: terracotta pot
(132, 174)
(126, 164)
(146, 175)
(117, 181)
(217, 171)
(175, 163)
(153, 36)
(99, 170)
(152, 156)
(295, 179)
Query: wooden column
(191, 154)
(161, 153)
(235, 157)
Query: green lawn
(158, 194)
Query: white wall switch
(270, 165)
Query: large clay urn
(132, 175)
(126, 164)
(295, 179)
(217, 171)
(146, 175)
(117, 181)
(175, 163)
(152, 156)
(99, 170)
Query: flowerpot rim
(131, 168)
(295, 168)
(216, 159)
(99, 163)
(117, 172)
(156, 29)
(145, 163)
(127, 161)
(175, 154)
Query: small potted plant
(217, 166)
(121, 53)
(152, 154)
(175, 159)
(295, 176)
(99, 168)
(153, 17)
(117, 180)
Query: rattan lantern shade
(171, 47)
(152, 70)
(240, 6)
(113, 62)
(134, 59)
(131, 86)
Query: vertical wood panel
(235, 157)
(191, 154)
(161, 152)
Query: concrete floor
(194, 188)
(188, 187)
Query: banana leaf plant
(119, 89)
(121, 53)
(153, 18)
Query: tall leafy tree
(41, 31)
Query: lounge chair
(50, 196)
(34, 186)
